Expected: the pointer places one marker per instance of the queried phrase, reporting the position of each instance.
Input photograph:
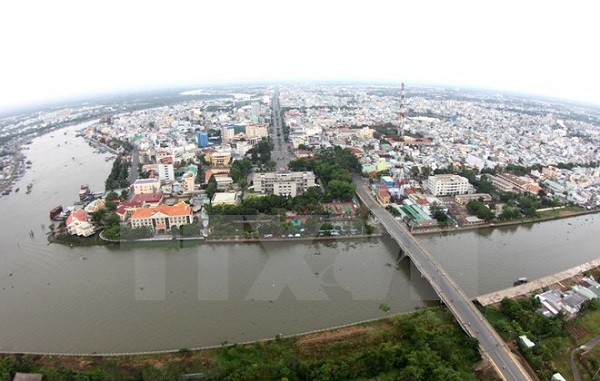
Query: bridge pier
(401, 256)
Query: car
(297, 235)
(290, 235)
(268, 235)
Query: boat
(84, 192)
(29, 186)
(522, 280)
(55, 212)
(16, 190)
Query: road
(467, 315)
(585, 348)
(281, 152)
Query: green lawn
(590, 320)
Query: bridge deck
(466, 314)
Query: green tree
(339, 190)
(211, 187)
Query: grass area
(590, 322)
(563, 212)
(424, 345)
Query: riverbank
(99, 239)
(551, 216)
(389, 347)
(536, 285)
(562, 344)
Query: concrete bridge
(468, 316)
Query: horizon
(82, 51)
(99, 97)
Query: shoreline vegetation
(550, 215)
(425, 344)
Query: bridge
(468, 316)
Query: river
(120, 299)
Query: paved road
(133, 169)
(585, 348)
(281, 152)
(467, 315)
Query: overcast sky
(56, 49)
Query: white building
(224, 198)
(283, 184)
(447, 184)
(166, 172)
(77, 224)
(188, 181)
(227, 133)
(257, 130)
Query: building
(78, 224)
(257, 130)
(224, 198)
(227, 133)
(146, 186)
(526, 342)
(465, 198)
(223, 181)
(283, 184)
(166, 171)
(218, 159)
(189, 182)
(203, 139)
(162, 217)
(382, 195)
(507, 182)
(95, 206)
(447, 184)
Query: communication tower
(402, 113)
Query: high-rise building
(166, 172)
(202, 139)
(189, 181)
(227, 133)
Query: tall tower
(402, 113)
(401, 175)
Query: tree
(97, 215)
(339, 190)
(478, 208)
(211, 188)
(190, 230)
(240, 169)
(110, 206)
(112, 219)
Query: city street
(281, 151)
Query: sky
(59, 49)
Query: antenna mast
(402, 113)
